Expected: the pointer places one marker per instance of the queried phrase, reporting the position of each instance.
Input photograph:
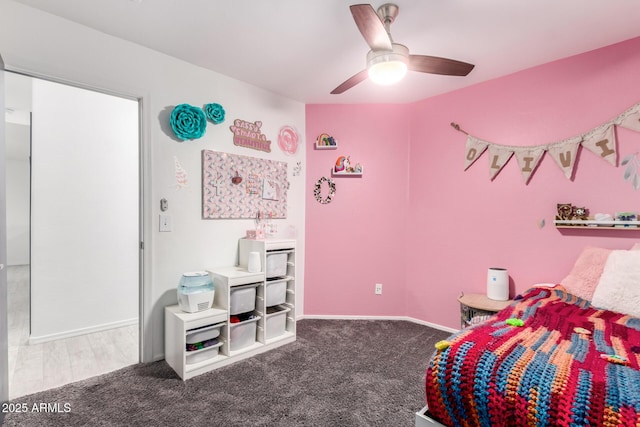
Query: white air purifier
(195, 292)
(498, 284)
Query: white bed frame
(423, 420)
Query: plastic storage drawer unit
(243, 298)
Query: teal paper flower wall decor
(188, 122)
(215, 113)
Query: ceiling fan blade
(351, 82)
(437, 65)
(371, 26)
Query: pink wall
(462, 223)
(434, 229)
(358, 239)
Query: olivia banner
(601, 141)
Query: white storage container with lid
(195, 291)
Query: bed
(549, 359)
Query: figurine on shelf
(342, 164)
(580, 213)
(626, 216)
(325, 140)
(565, 211)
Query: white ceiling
(303, 49)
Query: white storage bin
(243, 298)
(276, 320)
(276, 264)
(204, 354)
(276, 292)
(204, 333)
(243, 334)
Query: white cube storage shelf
(269, 302)
(203, 334)
(182, 328)
(278, 256)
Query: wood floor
(38, 367)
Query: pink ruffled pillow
(585, 275)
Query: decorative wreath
(317, 192)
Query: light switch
(165, 222)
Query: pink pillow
(586, 272)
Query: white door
(4, 340)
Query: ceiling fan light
(388, 67)
(387, 73)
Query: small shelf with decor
(570, 216)
(326, 142)
(343, 167)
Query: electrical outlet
(378, 288)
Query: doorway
(73, 199)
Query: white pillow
(619, 286)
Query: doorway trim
(4, 320)
(145, 347)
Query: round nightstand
(476, 308)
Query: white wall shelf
(334, 173)
(326, 147)
(598, 225)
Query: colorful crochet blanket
(568, 364)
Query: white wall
(40, 43)
(84, 223)
(17, 175)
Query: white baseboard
(76, 332)
(350, 317)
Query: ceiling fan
(387, 62)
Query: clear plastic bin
(243, 298)
(276, 292)
(276, 264)
(243, 334)
(276, 320)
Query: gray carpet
(337, 373)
